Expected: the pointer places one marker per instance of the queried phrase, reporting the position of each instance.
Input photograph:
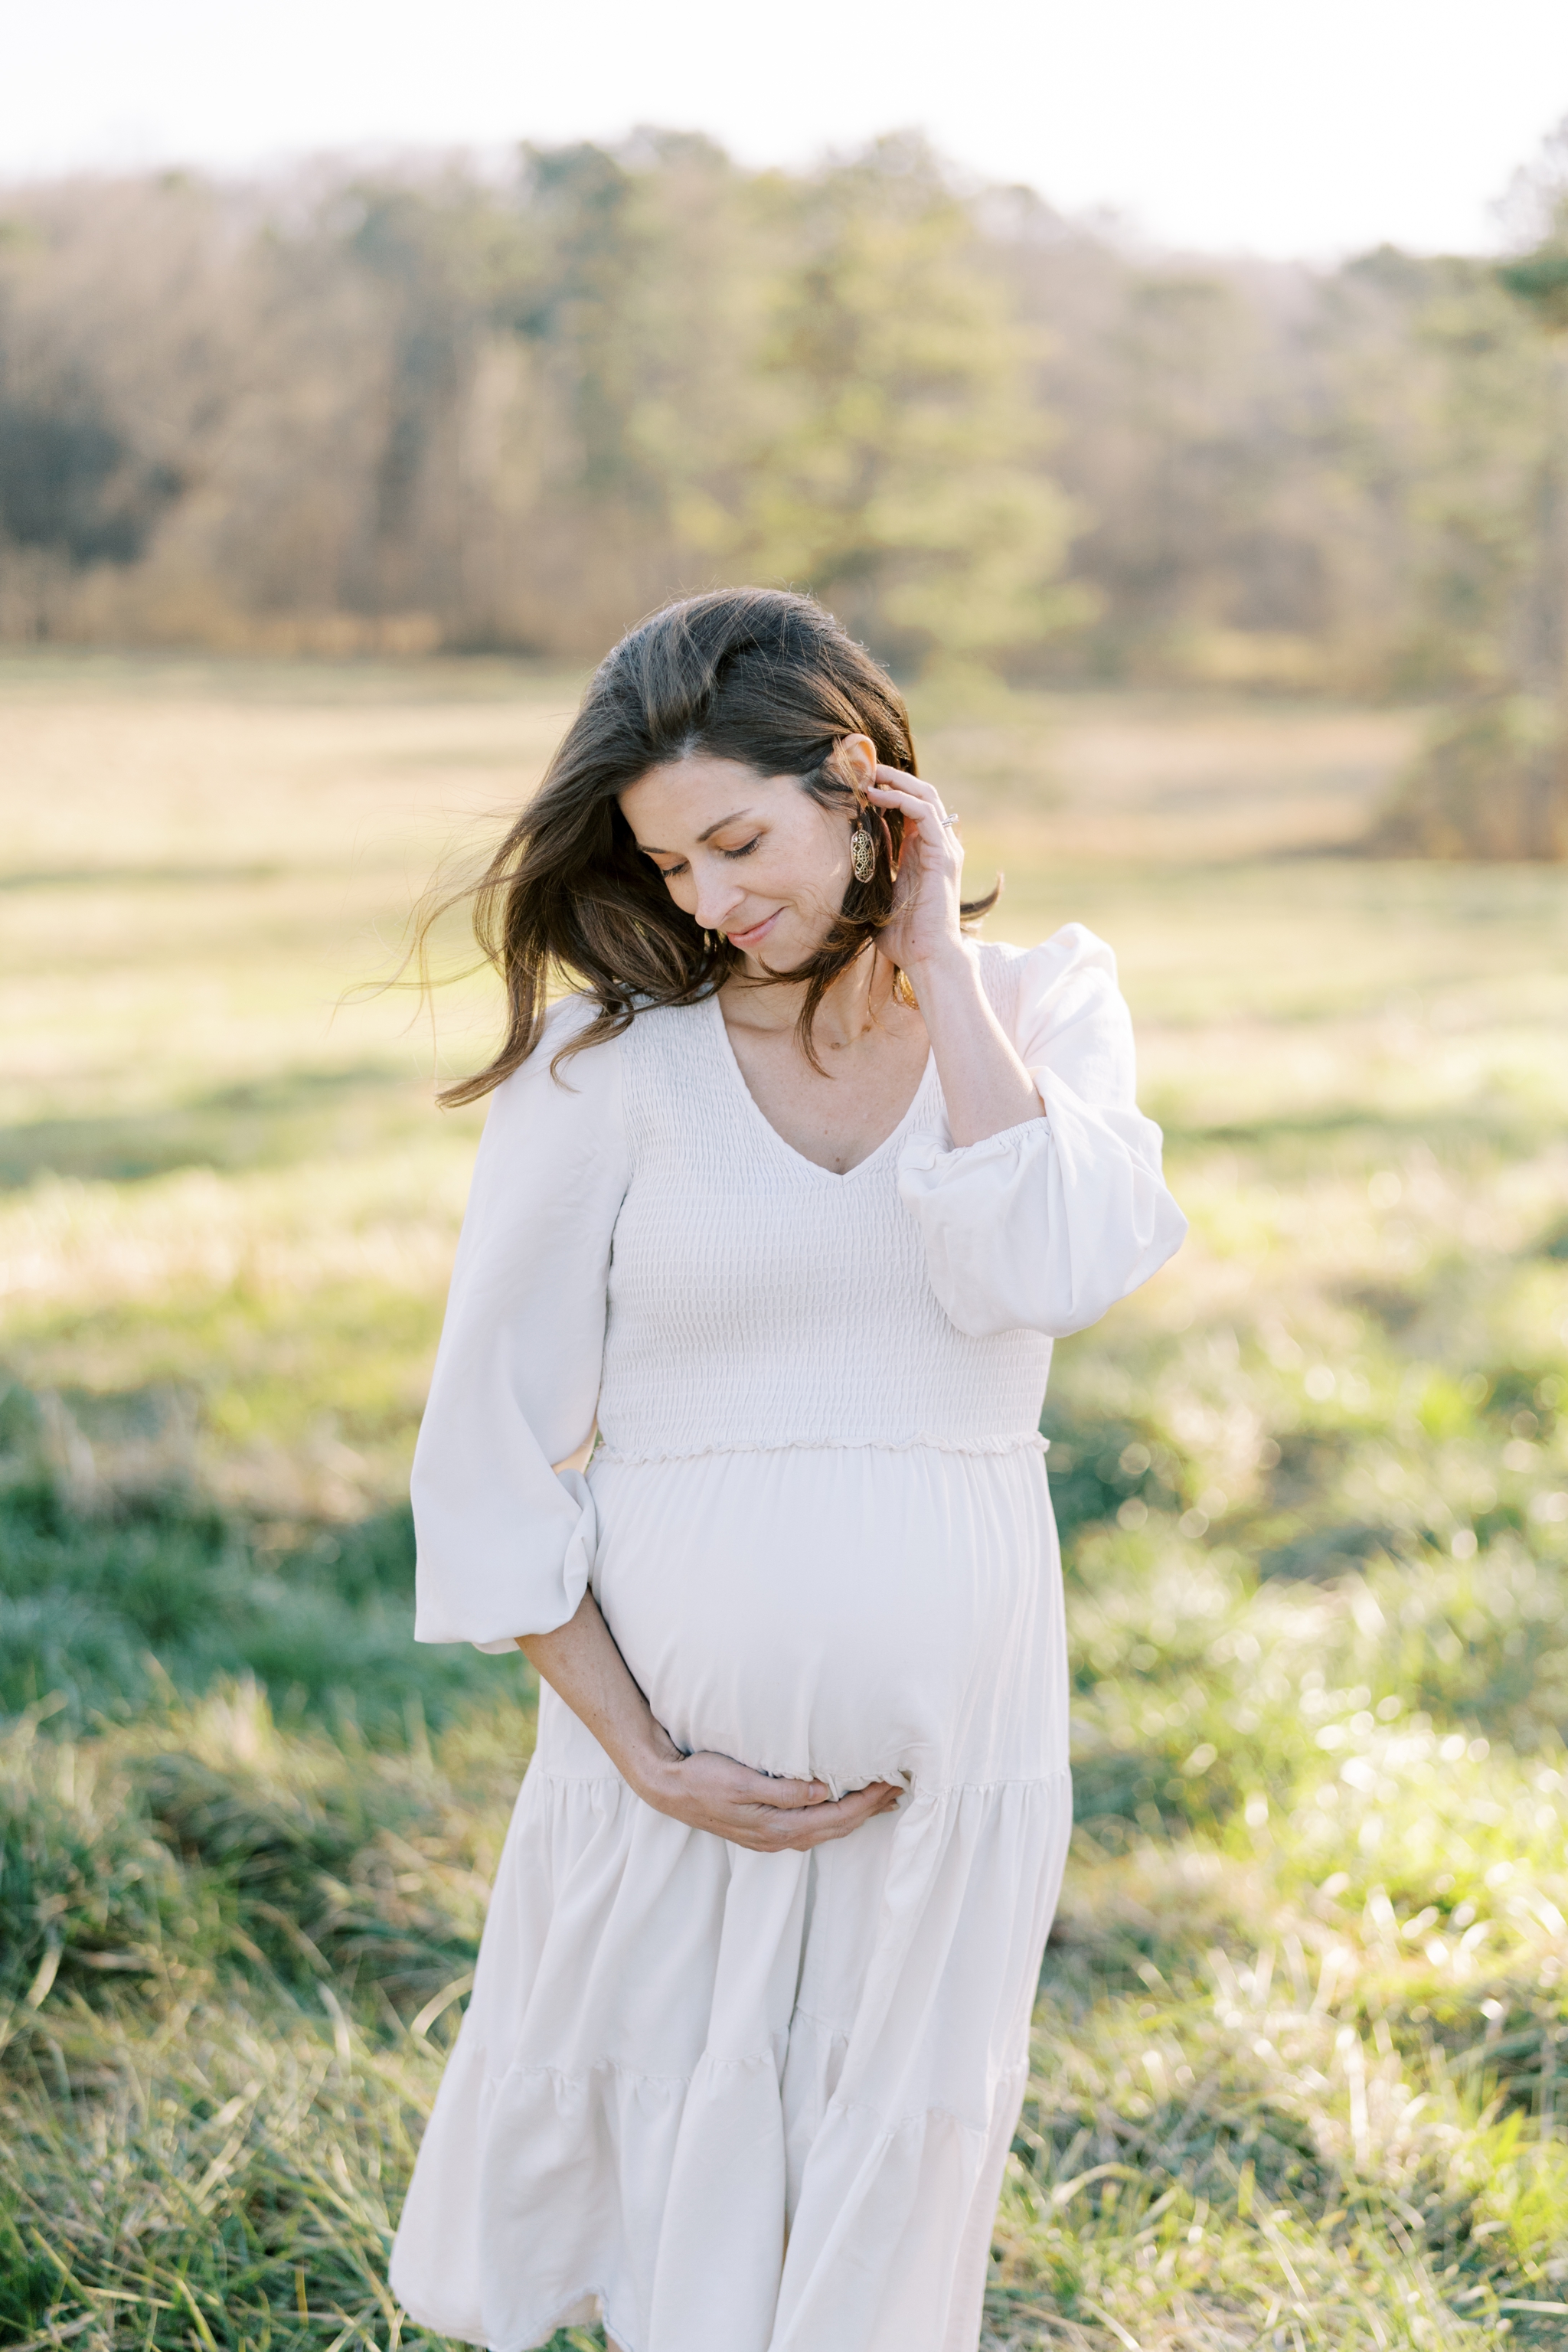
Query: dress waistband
(633, 1457)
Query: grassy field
(1302, 2071)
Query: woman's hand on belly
(583, 1666)
(752, 1809)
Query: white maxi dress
(740, 2102)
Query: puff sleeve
(1046, 1225)
(505, 1545)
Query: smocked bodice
(642, 1248)
(756, 1300)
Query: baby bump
(858, 1613)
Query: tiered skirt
(736, 2101)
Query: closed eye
(668, 873)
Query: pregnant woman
(788, 1201)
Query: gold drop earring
(862, 853)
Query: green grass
(1301, 2050)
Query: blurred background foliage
(431, 407)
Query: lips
(758, 931)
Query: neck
(847, 1010)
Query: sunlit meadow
(1301, 2075)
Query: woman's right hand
(580, 1662)
(713, 1792)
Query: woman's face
(752, 856)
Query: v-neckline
(801, 1159)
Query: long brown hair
(757, 674)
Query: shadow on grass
(267, 1123)
(134, 1588)
(107, 1613)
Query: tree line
(441, 406)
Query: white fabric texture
(737, 2101)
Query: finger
(906, 791)
(934, 843)
(928, 813)
(809, 1823)
(787, 1821)
(846, 1812)
(746, 1785)
(897, 779)
(788, 1796)
(814, 1830)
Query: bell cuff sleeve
(1046, 1225)
(505, 1543)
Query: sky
(1277, 127)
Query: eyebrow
(652, 849)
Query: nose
(717, 897)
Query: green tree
(900, 466)
(1492, 780)
(630, 330)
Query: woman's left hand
(923, 929)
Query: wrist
(653, 1767)
(951, 959)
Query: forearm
(583, 1666)
(985, 1084)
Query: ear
(857, 754)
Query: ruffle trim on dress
(602, 2128)
(581, 2079)
(582, 2311)
(497, 2080)
(924, 1442)
(932, 1791)
(866, 2168)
